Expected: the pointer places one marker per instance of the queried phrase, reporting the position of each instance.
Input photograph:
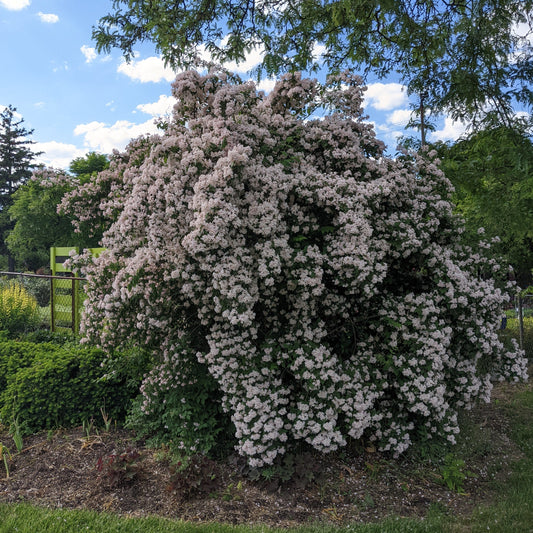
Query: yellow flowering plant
(18, 308)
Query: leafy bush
(284, 271)
(48, 386)
(17, 355)
(197, 425)
(18, 308)
(46, 335)
(39, 288)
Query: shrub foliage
(281, 264)
(46, 386)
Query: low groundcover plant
(293, 282)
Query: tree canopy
(462, 57)
(492, 172)
(37, 223)
(86, 167)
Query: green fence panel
(67, 294)
(65, 304)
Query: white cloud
(57, 155)
(162, 107)
(266, 85)
(59, 68)
(151, 69)
(104, 138)
(388, 133)
(15, 5)
(450, 131)
(400, 117)
(89, 53)
(523, 29)
(48, 18)
(318, 51)
(252, 59)
(385, 96)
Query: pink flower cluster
(321, 284)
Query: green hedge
(17, 355)
(46, 386)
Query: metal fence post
(521, 321)
(66, 316)
(74, 309)
(52, 306)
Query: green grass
(513, 511)
(27, 519)
(23, 518)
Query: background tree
(85, 168)
(16, 165)
(492, 171)
(464, 57)
(37, 223)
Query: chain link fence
(518, 323)
(60, 301)
(59, 298)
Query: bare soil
(112, 472)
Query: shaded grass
(514, 510)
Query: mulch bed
(112, 472)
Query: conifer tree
(16, 164)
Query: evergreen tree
(16, 164)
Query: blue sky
(77, 101)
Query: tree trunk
(10, 263)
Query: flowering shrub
(319, 287)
